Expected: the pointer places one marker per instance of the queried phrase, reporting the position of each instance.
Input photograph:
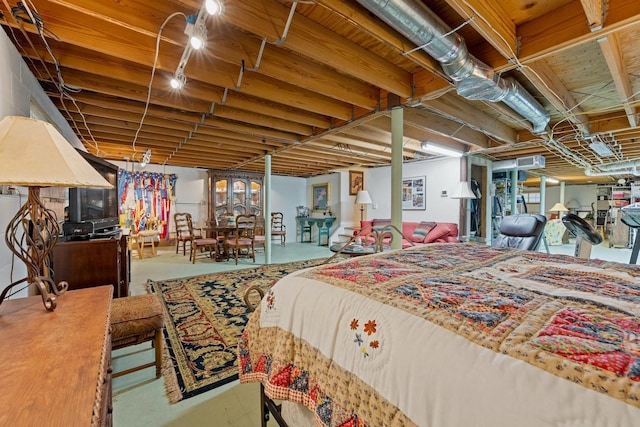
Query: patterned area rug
(204, 317)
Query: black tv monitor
(98, 206)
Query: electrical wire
(153, 72)
(36, 19)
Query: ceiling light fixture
(552, 180)
(437, 149)
(196, 29)
(178, 81)
(198, 35)
(146, 158)
(213, 7)
(601, 149)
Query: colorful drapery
(144, 195)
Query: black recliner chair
(521, 231)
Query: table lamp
(559, 207)
(36, 155)
(363, 198)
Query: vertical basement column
(267, 209)
(543, 194)
(397, 122)
(562, 183)
(514, 191)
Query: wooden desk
(56, 366)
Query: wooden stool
(134, 320)
(147, 238)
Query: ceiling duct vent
(531, 162)
(521, 163)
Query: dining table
(216, 231)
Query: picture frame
(414, 193)
(356, 182)
(320, 197)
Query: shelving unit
(609, 214)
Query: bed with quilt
(452, 335)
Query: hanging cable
(153, 72)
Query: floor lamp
(463, 192)
(363, 198)
(36, 155)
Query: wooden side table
(56, 366)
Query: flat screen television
(98, 206)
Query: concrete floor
(139, 398)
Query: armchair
(522, 231)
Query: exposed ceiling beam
(610, 47)
(491, 21)
(267, 19)
(563, 29)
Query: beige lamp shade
(558, 207)
(463, 191)
(363, 198)
(34, 154)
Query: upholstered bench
(134, 320)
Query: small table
(146, 238)
(356, 250)
(324, 227)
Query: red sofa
(418, 232)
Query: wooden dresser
(56, 366)
(95, 262)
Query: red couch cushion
(443, 232)
(421, 231)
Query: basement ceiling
(311, 82)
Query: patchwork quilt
(452, 335)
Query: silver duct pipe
(633, 171)
(589, 172)
(474, 80)
(619, 165)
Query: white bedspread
(451, 336)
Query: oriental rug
(204, 317)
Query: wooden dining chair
(259, 239)
(201, 243)
(278, 229)
(183, 232)
(244, 237)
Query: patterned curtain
(144, 196)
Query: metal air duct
(474, 80)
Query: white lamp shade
(463, 191)
(363, 198)
(35, 154)
(573, 204)
(558, 207)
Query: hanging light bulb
(213, 7)
(198, 36)
(178, 81)
(146, 158)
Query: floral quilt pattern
(503, 300)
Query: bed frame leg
(268, 406)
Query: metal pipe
(473, 79)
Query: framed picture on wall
(320, 197)
(414, 193)
(356, 182)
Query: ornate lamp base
(36, 226)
